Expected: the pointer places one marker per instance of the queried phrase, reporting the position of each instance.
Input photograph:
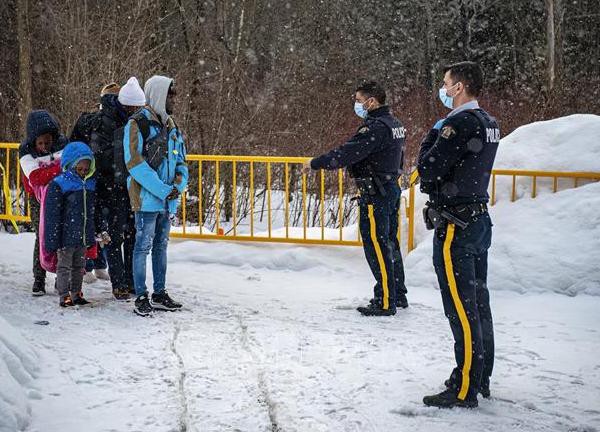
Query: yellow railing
(229, 187)
(575, 176)
(276, 181)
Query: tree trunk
(550, 44)
(24, 61)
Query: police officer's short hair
(372, 89)
(469, 73)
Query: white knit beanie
(131, 94)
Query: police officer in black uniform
(374, 157)
(455, 163)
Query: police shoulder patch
(447, 132)
(363, 129)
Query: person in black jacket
(455, 163)
(374, 158)
(99, 131)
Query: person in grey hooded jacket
(156, 180)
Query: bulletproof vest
(468, 180)
(396, 146)
(389, 159)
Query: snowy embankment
(18, 367)
(550, 243)
(269, 339)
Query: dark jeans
(69, 272)
(119, 252)
(379, 232)
(460, 261)
(39, 274)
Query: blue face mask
(448, 101)
(360, 110)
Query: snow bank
(551, 243)
(257, 256)
(564, 144)
(18, 366)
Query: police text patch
(447, 131)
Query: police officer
(455, 163)
(374, 157)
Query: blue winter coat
(69, 204)
(148, 189)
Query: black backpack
(154, 150)
(91, 128)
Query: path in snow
(266, 349)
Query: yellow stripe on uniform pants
(382, 269)
(464, 321)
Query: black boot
(376, 310)
(449, 399)
(121, 294)
(39, 288)
(401, 301)
(484, 387)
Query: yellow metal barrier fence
(227, 180)
(224, 194)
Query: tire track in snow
(183, 418)
(262, 384)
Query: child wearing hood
(69, 220)
(39, 157)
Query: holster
(366, 186)
(432, 218)
(436, 219)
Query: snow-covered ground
(269, 339)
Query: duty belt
(372, 184)
(468, 210)
(460, 215)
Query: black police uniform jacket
(455, 163)
(376, 148)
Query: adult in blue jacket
(154, 192)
